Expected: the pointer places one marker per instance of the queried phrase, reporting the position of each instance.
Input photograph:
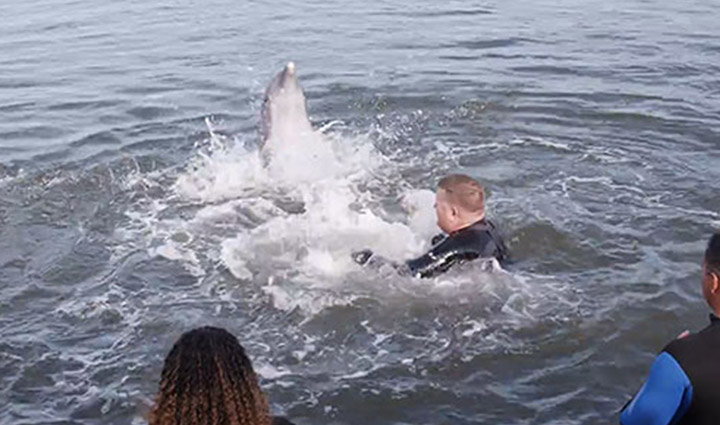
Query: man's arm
(430, 263)
(367, 258)
(664, 397)
(443, 255)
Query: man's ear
(455, 211)
(714, 282)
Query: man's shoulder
(684, 342)
(695, 345)
(679, 346)
(481, 229)
(470, 239)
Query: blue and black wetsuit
(683, 387)
(479, 240)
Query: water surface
(134, 205)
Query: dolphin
(284, 112)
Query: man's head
(711, 273)
(459, 202)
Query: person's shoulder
(703, 343)
(684, 347)
(485, 232)
(461, 241)
(680, 343)
(490, 223)
(492, 227)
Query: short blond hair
(464, 191)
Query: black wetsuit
(479, 240)
(683, 387)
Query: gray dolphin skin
(284, 113)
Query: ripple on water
(597, 148)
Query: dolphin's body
(284, 114)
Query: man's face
(446, 216)
(709, 280)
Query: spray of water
(287, 222)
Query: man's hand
(362, 257)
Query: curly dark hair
(208, 380)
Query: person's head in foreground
(711, 274)
(459, 202)
(208, 380)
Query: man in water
(460, 210)
(682, 387)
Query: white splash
(294, 216)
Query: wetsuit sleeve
(423, 265)
(440, 258)
(664, 397)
